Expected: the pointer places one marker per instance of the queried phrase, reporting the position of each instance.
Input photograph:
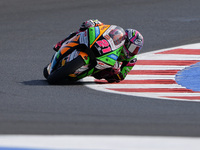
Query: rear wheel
(60, 75)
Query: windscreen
(117, 34)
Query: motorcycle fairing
(95, 33)
(67, 48)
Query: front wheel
(45, 72)
(60, 75)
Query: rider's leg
(59, 44)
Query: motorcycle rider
(127, 59)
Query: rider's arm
(90, 23)
(85, 25)
(125, 68)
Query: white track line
(157, 67)
(169, 57)
(132, 86)
(67, 142)
(148, 77)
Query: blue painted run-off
(189, 77)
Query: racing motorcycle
(86, 54)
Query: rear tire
(60, 75)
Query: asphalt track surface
(28, 105)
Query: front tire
(60, 75)
(45, 72)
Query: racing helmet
(134, 42)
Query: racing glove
(115, 78)
(90, 23)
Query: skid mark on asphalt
(154, 75)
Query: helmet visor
(133, 49)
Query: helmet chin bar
(126, 52)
